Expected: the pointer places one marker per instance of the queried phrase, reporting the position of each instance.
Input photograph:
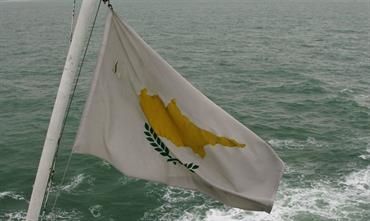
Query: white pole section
(88, 9)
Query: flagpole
(88, 8)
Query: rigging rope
(73, 21)
(53, 166)
(66, 116)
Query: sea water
(296, 72)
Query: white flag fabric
(149, 122)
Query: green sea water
(296, 72)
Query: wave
(96, 210)
(345, 199)
(367, 155)
(12, 195)
(13, 216)
(293, 144)
(363, 100)
(57, 215)
(358, 183)
(74, 183)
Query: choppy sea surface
(295, 72)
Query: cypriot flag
(149, 122)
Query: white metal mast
(88, 8)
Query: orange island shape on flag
(170, 123)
